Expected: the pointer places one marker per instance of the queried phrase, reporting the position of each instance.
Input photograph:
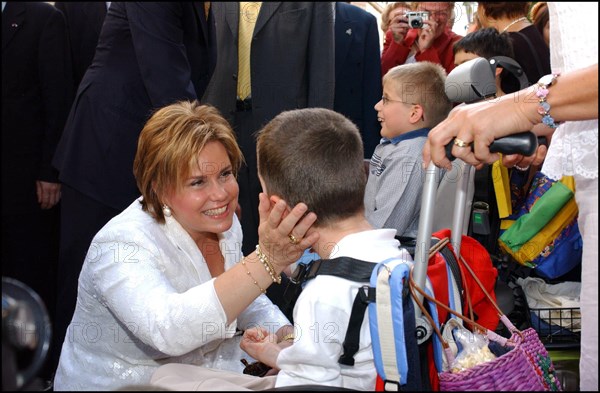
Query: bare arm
(240, 285)
(574, 96)
(265, 347)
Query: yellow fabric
(206, 9)
(502, 189)
(532, 249)
(505, 224)
(248, 15)
(568, 181)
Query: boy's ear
(416, 113)
(498, 71)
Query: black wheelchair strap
(350, 269)
(365, 295)
(343, 267)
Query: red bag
(481, 263)
(437, 271)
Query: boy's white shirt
(321, 317)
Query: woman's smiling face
(206, 202)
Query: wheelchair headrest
(475, 80)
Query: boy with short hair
(413, 102)
(313, 155)
(487, 42)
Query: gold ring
(293, 239)
(461, 143)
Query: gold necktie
(248, 14)
(206, 9)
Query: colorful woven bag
(526, 366)
(542, 233)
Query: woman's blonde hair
(385, 15)
(169, 145)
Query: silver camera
(416, 18)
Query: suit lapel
(267, 9)
(344, 28)
(98, 11)
(199, 11)
(13, 18)
(232, 15)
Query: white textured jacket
(146, 298)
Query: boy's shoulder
(404, 144)
(418, 133)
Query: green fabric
(563, 354)
(543, 210)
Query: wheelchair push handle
(524, 143)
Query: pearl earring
(166, 211)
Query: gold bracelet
(250, 275)
(268, 265)
(289, 337)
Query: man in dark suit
(36, 97)
(84, 21)
(358, 71)
(148, 55)
(291, 66)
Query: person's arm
(56, 86)
(240, 285)
(264, 346)
(395, 197)
(262, 312)
(396, 53)
(133, 277)
(158, 41)
(387, 38)
(573, 96)
(442, 54)
(424, 43)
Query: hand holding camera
(402, 22)
(427, 28)
(415, 18)
(399, 26)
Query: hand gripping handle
(524, 143)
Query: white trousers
(185, 377)
(586, 195)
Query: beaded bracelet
(541, 93)
(268, 265)
(251, 277)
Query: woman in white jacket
(162, 281)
